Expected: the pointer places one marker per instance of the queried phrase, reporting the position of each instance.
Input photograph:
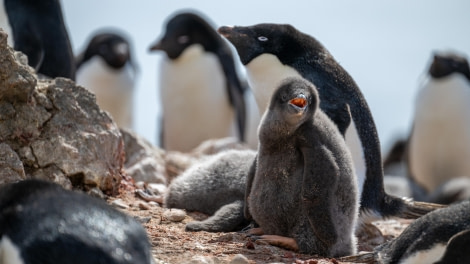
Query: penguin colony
(317, 168)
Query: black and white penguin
(272, 53)
(216, 187)
(40, 222)
(106, 68)
(442, 236)
(302, 189)
(199, 87)
(439, 142)
(4, 24)
(38, 30)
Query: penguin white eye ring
(183, 39)
(262, 38)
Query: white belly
(9, 253)
(114, 89)
(266, 72)
(195, 103)
(5, 25)
(440, 140)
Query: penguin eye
(182, 39)
(262, 38)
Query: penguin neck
(274, 132)
(265, 73)
(192, 52)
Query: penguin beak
(225, 31)
(299, 103)
(156, 46)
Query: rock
(239, 259)
(56, 128)
(144, 162)
(174, 215)
(203, 260)
(118, 203)
(11, 168)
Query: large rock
(56, 128)
(144, 162)
(11, 168)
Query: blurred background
(385, 45)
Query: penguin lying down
(215, 187)
(442, 236)
(40, 222)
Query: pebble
(239, 259)
(174, 215)
(157, 188)
(119, 204)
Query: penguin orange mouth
(300, 102)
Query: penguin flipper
(316, 189)
(456, 249)
(235, 90)
(228, 218)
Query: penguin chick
(40, 222)
(303, 185)
(199, 86)
(439, 142)
(106, 68)
(215, 187)
(39, 31)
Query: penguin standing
(302, 190)
(40, 222)
(272, 53)
(439, 142)
(106, 68)
(39, 31)
(442, 236)
(202, 96)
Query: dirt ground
(171, 244)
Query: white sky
(384, 45)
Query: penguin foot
(414, 209)
(257, 231)
(278, 241)
(149, 197)
(365, 257)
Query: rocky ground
(171, 244)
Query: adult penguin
(442, 236)
(40, 222)
(202, 96)
(273, 52)
(39, 31)
(439, 143)
(106, 68)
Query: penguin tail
(366, 257)
(413, 209)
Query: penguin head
(184, 30)
(294, 102)
(446, 64)
(281, 40)
(112, 47)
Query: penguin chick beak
(299, 103)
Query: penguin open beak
(299, 103)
